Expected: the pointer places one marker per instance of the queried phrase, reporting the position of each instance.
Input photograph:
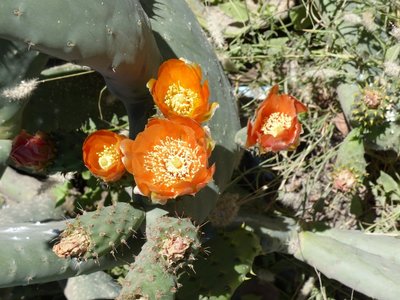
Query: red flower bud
(32, 151)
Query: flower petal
(276, 126)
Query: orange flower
(276, 126)
(102, 156)
(32, 151)
(169, 158)
(178, 91)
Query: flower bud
(32, 151)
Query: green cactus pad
(351, 153)
(26, 256)
(221, 272)
(176, 240)
(114, 38)
(367, 263)
(346, 95)
(31, 200)
(147, 279)
(172, 243)
(100, 232)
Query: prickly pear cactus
(123, 51)
(116, 40)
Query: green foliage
(53, 106)
(386, 188)
(236, 10)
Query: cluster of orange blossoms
(170, 157)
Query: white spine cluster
(22, 91)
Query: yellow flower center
(108, 157)
(276, 123)
(172, 161)
(181, 100)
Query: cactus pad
(97, 233)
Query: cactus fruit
(218, 274)
(98, 233)
(171, 245)
(368, 109)
(383, 137)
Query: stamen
(108, 157)
(172, 161)
(181, 100)
(276, 123)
